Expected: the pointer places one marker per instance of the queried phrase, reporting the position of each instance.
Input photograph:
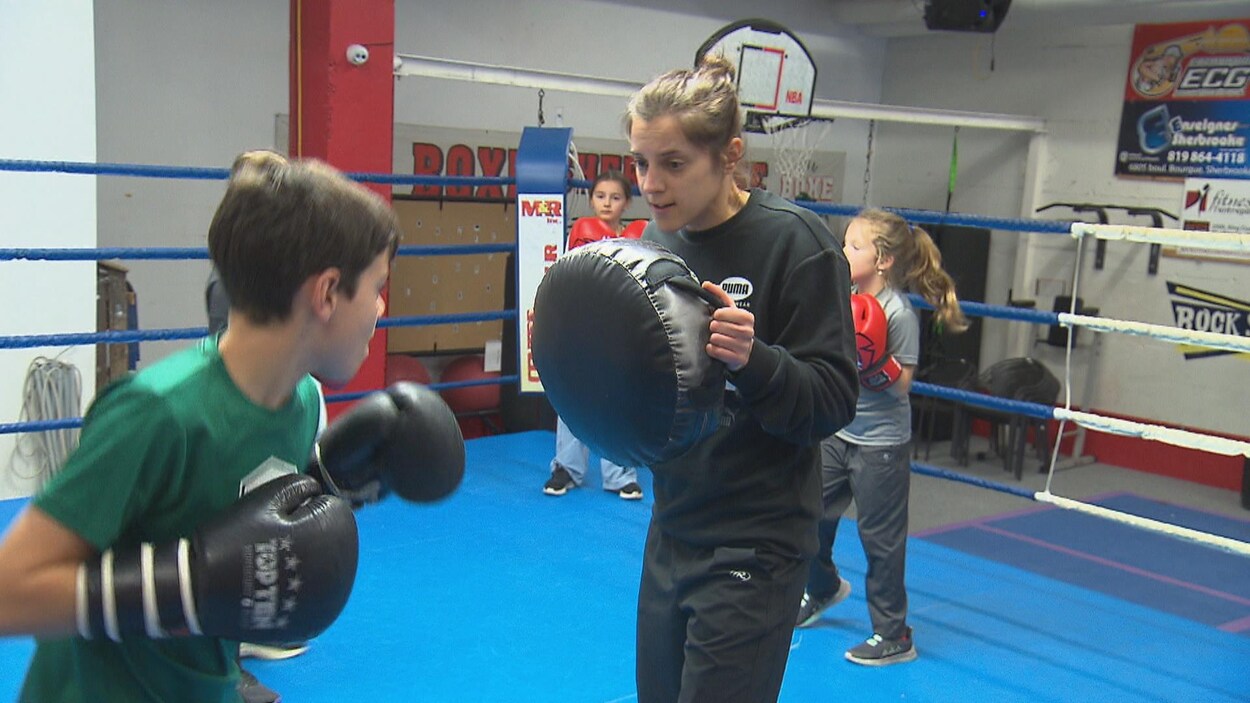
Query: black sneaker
(878, 651)
(811, 608)
(559, 483)
(254, 691)
(630, 491)
(271, 652)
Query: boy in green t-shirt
(304, 254)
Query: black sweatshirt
(756, 481)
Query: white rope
(1159, 433)
(1217, 541)
(1067, 367)
(53, 391)
(1129, 428)
(1223, 241)
(1177, 437)
(1212, 340)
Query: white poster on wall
(1214, 205)
(540, 240)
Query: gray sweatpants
(879, 479)
(574, 457)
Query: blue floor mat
(502, 593)
(1169, 574)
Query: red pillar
(343, 113)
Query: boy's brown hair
(282, 221)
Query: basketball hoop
(776, 82)
(794, 141)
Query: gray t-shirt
(883, 418)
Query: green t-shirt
(161, 452)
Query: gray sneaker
(811, 607)
(878, 651)
(559, 483)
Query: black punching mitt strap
(619, 339)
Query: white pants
(573, 456)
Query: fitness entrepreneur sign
(1187, 101)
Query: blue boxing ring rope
(1028, 409)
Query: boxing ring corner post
(541, 185)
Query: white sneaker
(271, 652)
(630, 491)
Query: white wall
(619, 40)
(47, 80)
(1074, 79)
(608, 39)
(193, 84)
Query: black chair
(953, 373)
(1021, 379)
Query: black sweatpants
(879, 479)
(714, 624)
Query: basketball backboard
(776, 74)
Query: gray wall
(180, 84)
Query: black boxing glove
(277, 566)
(404, 439)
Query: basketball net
(794, 142)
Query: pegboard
(113, 302)
(440, 285)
